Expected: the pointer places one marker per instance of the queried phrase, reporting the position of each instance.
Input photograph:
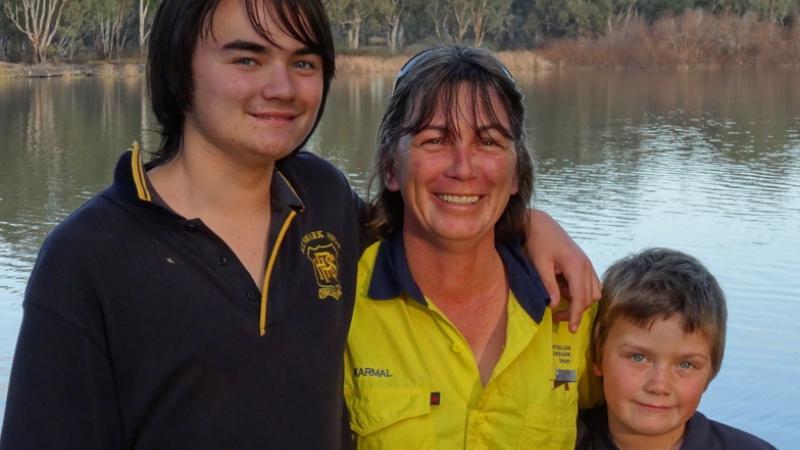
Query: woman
(452, 345)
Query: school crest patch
(322, 250)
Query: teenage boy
(658, 342)
(202, 301)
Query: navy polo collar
(391, 276)
(130, 183)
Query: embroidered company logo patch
(563, 378)
(562, 356)
(322, 249)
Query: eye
(429, 141)
(637, 357)
(490, 141)
(245, 61)
(305, 65)
(687, 365)
(433, 141)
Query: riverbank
(578, 54)
(95, 69)
(517, 61)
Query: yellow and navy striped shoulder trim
(138, 173)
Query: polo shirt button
(479, 418)
(190, 226)
(457, 348)
(222, 260)
(251, 295)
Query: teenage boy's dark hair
(432, 80)
(177, 26)
(658, 284)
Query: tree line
(70, 30)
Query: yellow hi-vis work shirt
(411, 381)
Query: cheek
(415, 171)
(619, 381)
(310, 88)
(503, 172)
(691, 392)
(216, 94)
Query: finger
(561, 316)
(575, 312)
(580, 293)
(597, 287)
(551, 285)
(563, 286)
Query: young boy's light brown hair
(658, 284)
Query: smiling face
(252, 100)
(653, 378)
(455, 185)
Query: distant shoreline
(68, 70)
(517, 61)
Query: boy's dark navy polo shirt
(701, 434)
(142, 330)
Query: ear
(391, 182)
(597, 369)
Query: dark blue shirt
(141, 328)
(701, 434)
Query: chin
(655, 429)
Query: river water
(708, 163)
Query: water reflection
(705, 162)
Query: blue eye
(686, 365)
(637, 357)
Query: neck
(200, 180)
(631, 441)
(454, 272)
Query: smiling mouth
(276, 117)
(655, 407)
(458, 199)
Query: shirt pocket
(550, 426)
(391, 418)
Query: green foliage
(104, 28)
(559, 18)
(75, 28)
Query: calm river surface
(708, 163)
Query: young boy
(658, 341)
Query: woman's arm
(556, 255)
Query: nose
(658, 380)
(278, 83)
(462, 164)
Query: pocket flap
(374, 409)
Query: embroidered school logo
(322, 249)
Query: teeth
(459, 199)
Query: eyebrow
(630, 346)
(249, 46)
(255, 47)
(497, 127)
